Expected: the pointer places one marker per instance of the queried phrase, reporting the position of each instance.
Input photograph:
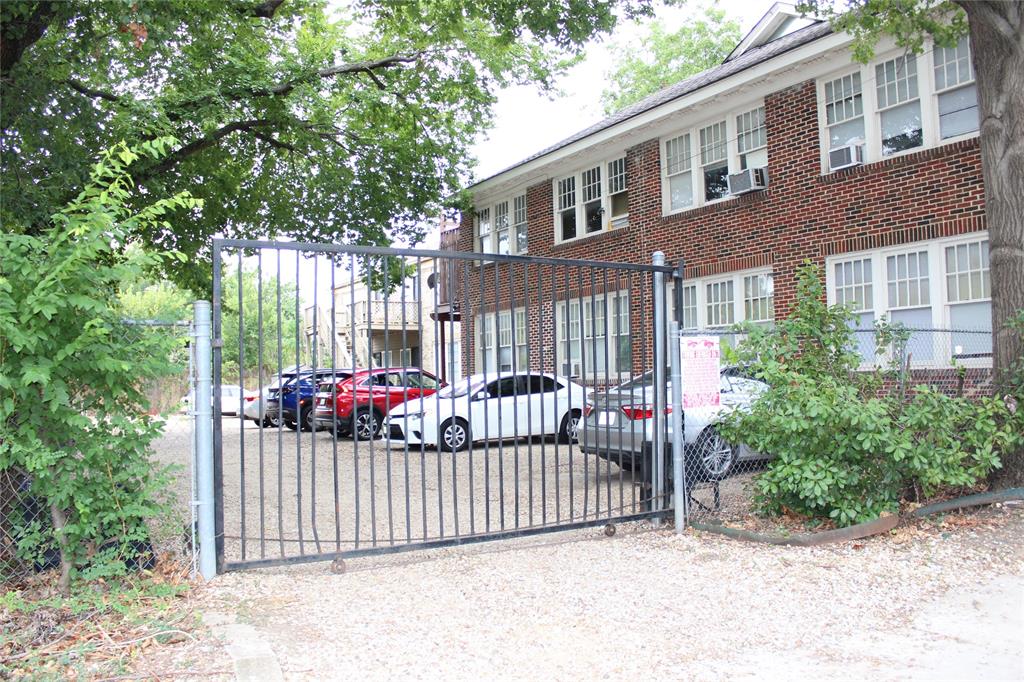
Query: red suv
(358, 405)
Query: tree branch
(21, 34)
(354, 67)
(990, 13)
(265, 10)
(206, 142)
(81, 87)
(272, 141)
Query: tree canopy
(664, 57)
(292, 122)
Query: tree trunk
(997, 41)
(59, 521)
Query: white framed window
(720, 303)
(520, 340)
(900, 103)
(938, 285)
(759, 298)
(678, 172)
(519, 223)
(969, 298)
(501, 226)
(502, 337)
(505, 341)
(591, 201)
(696, 162)
(752, 139)
(714, 161)
(844, 110)
(689, 307)
(593, 336)
(854, 288)
(955, 91)
(485, 243)
(618, 192)
(566, 212)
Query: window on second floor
(501, 226)
(593, 200)
(900, 103)
(697, 161)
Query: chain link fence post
(679, 496)
(203, 411)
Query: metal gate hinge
(217, 343)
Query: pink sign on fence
(700, 360)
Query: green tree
(996, 32)
(291, 122)
(664, 57)
(260, 326)
(72, 408)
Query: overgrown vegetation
(844, 448)
(74, 431)
(97, 631)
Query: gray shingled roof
(745, 61)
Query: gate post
(658, 454)
(203, 410)
(680, 494)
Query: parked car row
(412, 407)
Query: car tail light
(250, 398)
(587, 409)
(636, 412)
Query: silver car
(619, 425)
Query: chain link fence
(721, 478)
(28, 546)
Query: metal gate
(394, 399)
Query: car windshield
(460, 388)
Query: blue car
(293, 401)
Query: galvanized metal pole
(203, 410)
(658, 451)
(679, 496)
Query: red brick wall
(803, 215)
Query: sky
(527, 121)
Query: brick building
(788, 151)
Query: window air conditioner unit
(571, 370)
(750, 180)
(846, 156)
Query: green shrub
(72, 411)
(844, 449)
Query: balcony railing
(378, 314)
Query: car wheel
(309, 420)
(567, 430)
(268, 422)
(294, 426)
(454, 435)
(713, 456)
(366, 424)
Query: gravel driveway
(291, 493)
(936, 602)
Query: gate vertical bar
(210, 543)
(658, 454)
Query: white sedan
(493, 406)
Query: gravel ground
(582, 606)
(938, 600)
(311, 503)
